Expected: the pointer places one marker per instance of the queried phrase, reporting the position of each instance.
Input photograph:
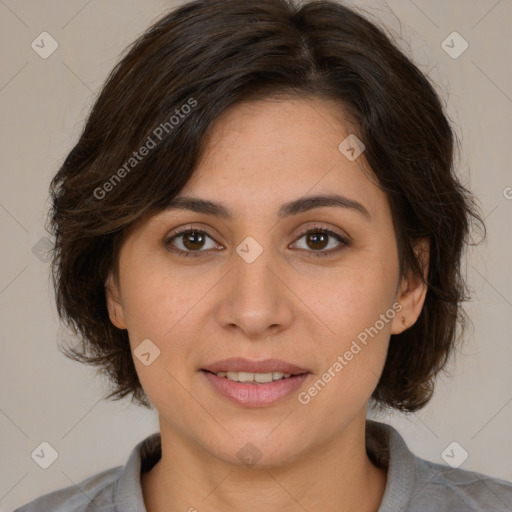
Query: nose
(256, 299)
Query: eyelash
(312, 230)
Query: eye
(189, 242)
(317, 238)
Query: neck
(334, 476)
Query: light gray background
(43, 102)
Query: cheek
(357, 306)
(351, 370)
(352, 296)
(158, 307)
(165, 306)
(157, 297)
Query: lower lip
(255, 395)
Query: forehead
(276, 123)
(279, 150)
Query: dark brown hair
(165, 95)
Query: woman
(259, 233)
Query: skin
(287, 304)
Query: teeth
(263, 377)
(254, 377)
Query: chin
(262, 448)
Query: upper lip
(239, 364)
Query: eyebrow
(295, 207)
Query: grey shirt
(413, 484)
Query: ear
(412, 291)
(115, 309)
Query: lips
(246, 394)
(239, 364)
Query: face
(256, 285)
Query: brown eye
(317, 239)
(189, 241)
(193, 240)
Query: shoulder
(93, 493)
(115, 489)
(418, 485)
(456, 489)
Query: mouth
(255, 383)
(254, 378)
(259, 372)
